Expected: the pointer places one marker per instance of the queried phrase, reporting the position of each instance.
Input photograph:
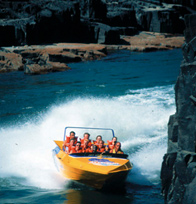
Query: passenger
(111, 143)
(77, 148)
(68, 138)
(98, 138)
(114, 140)
(101, 147)
(86, 148)
(93, 148)
(117, 149)
(86, 137)
(72, 135)
(70, 146)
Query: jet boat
(93, 169)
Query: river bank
(40, 59)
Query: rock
(173, 129)
(35, 69)
(189, 3)
(189, 50)
(190, 196)
(51, 58)
(94, 21)
(60, 54)
(150, 41)
(167, 172)
(59, 67)
(10, 62)
(64, 57)
(179, 188)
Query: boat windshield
(106, 133)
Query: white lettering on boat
(102, 162)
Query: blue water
(133, 93)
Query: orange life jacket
(87, 150)
(101, 149)
(67, 140)
(111, 147)
(69, 148)
(82, 142)
(76, 151)
(109, 142)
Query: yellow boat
(93, 169)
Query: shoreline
(42, 59)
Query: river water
(132, 93)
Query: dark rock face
(179, 172)
(189, 3)
(84, 21)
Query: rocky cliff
(85, 21)
(178, 172)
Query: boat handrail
(87, 128)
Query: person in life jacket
(101, 147)
(68, 138)
(112, 143)
(77, 149)
(86, 136)
(98, 139)
(70, 146)
(86, 148)
(117, 149)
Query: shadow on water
(95, 197)
(131, 193)
(81, 194)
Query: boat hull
(95, 180)
(94, 171)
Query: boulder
(10, 62)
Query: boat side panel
(79, 169)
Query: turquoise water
(133, 93)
